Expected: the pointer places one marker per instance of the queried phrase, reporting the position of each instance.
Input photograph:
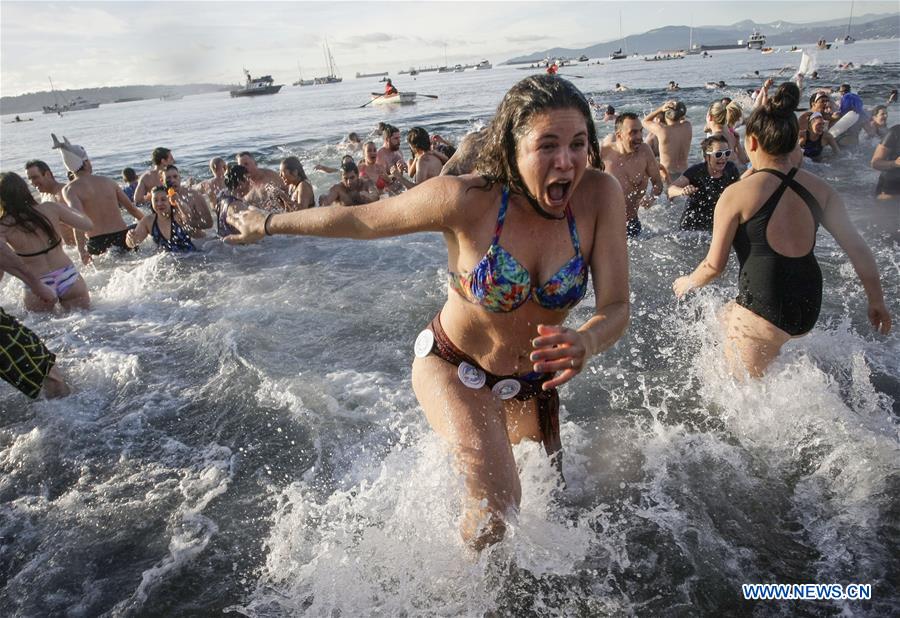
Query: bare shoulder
(597, 191)
(647, 152)
(816, 185)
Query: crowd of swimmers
(536, 169)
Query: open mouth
(558, 192)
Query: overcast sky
(90, 44)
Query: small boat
(756, 41)
(402, 98)
(256, 87)
(767, 50)
(413, 72)
(483, 65)
(171, 96)
(364, 75)
(618, 55)
(459, 68)
(583, 58)
(849, 40)
(75, 105)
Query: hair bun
(785, 100)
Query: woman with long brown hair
(30, 229)
(522, 233)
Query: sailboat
(301, 81)
(75, 105)
(331, 78)
(618, 55)
(847, 38)
(690, 50)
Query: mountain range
(880, 26)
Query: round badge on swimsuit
(424, 343)
(507, 389)
(471, 376)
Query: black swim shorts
(24, 359)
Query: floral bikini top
(499, 283)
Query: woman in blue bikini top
(487, 367)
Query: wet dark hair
(814, 97)
(246, 153)
(128, 174)
(159, 155)
(159, 189)
(43, 168)
(531, 96)
(293, 164)
(775, 124)
(171, 167)
(234, 176)
(353, 137)
(419, 138)
(715, 138)
(388, 131)
(878, 108)
(621, 118)
(349, 167)
(17, 201)
(610, 109)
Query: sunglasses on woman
(718, 154)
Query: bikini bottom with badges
(433, 340)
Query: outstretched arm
(136, 236)
(726, 218)
(430, 207)
(837, 222)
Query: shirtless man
(44, 181)
(259, 176)
(213, 186)
(673, 131)
(371, 169)
(161, 159)
(99, 198)
(389, 155)
(194, 211)
(631, 161)
(426, 163)
(352, 190)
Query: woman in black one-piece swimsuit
(771, 219)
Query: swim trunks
(24, 359)
(97, 245)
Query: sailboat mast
(850, 23)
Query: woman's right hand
(250, 225)
(689, 190)
(879, 317)
(44, 292)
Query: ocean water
(243, 438)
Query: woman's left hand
(558, 349)
(682, 286)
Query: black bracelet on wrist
(266, 224)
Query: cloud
(526, 38)
(369, 38)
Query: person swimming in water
(771, 219)
(166, 225)
(487, 367)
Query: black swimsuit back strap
(787, 180)
(48, 249)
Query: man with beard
(389, 155)
(352, 190)
(632, 162)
